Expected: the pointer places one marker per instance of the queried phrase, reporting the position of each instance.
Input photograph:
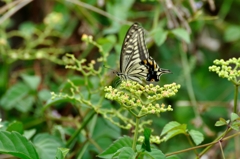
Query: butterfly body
(135, 62)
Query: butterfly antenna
(110, 69)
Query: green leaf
(196, 136)
(14, 95)
(126, 152)
(160, 36)
(61, 153)
(146, 142)
(29, 133)
(15, 126)
(118, 9)
(27, 28)
(46, 145)
(44, 95)
(118, 144)
(169, 126)
(155, 154)
(173, 157)
(26, 104)
(107, 43)
(181, 129)
(32, 81)
(221, 122)
(232, 33)
(15, 144)
(234, 116)
(182, 34)
(235, 127)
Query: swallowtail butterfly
(135, 62)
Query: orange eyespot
(152, 80)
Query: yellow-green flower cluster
(228, 69)
(131, 95)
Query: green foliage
(146, 142)
(46, 145)
(15, 126)
(182, 34)
(118, 146)
(15, 144)
(174, 128)
(61, 153)
(22, 95)
(75, 120)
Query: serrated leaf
(196, 136)
(15, 126)
(155, 154)
(126, 152)
(32, 81)
(160, 36)
(23, 149)
(182, 34)
(234, 116)
(118, 144)
(46, 145)
(14, 95)
(61, 153)
(146, 142)
(169, 126)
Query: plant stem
(220, 144)
(135, 134)
(216, 140)
(235, 98)
(187, 76)
(80, 128)
(205, 145)
(191, 143)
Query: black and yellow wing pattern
(135, 62)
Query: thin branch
(193, 6)
(9, 13)
(9, 5)
(99, 11)
(201, 146)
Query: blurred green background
(183, 36)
